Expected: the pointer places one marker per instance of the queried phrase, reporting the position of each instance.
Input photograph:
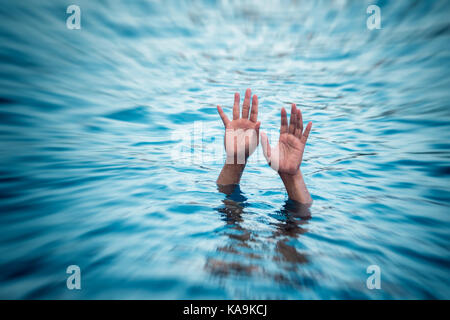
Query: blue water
(90, 120)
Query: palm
(238, 130)
(242, 133)
(291, 153)
(287, 156)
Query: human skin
(241, 137)
(287, 156)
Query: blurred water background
(89, 120)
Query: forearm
(230, 174)
(296, 187)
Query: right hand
(287, 156)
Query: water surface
(90, 120)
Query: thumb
(265, 145)
(258, 124)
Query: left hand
(242, 133)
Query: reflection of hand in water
(292, 216)
(246, 252)
(230, 260)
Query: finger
(292, 120)
(246, 104)
(254, 113)
(237, 98)
(306, 133)
(265, 145)
(299, 127)
(257, 126)
(284, 122)
(224, 117)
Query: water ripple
(90, 119)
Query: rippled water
(90, 119)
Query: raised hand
(287, 156)
(242, 133)
(241, 137)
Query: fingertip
(308, 129)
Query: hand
(242, 133)
(287, 156)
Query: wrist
(231, 173)
(237, 160)
(296, 187)
(235, 167)
(290, 177)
